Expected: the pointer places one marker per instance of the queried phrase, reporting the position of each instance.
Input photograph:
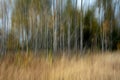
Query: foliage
(48, 24)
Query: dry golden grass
(90, 67)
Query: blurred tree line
(60, 25)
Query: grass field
(89, 67)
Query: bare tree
(81, 28)
(55, 26)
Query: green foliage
(91, 28)
(69, 10)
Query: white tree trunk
(81, 29)
(69, 36)
(55, 28)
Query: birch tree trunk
(76, 27)
(55, 27)
(69, 36)
(81, 29)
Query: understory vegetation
(88, 67)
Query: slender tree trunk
(55, 28)
(81, 29)
(69, 36)
(76, 43)
(47, 37)
(3, 35)
(41, 38)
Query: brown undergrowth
(90, 67)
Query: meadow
(97, 66)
